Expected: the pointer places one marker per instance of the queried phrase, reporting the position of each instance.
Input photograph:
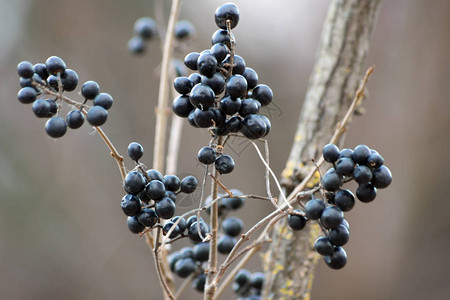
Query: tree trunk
(291, 259)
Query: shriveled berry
(188, 184)
(224, 164)
(148, 217)
(56, 127)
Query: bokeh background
(62, 233)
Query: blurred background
(62, 232)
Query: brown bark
(290, 261)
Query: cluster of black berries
(193, 260)
(224, 94)
(53, 76)
(247, 285)
(152, 196)
(366, 167)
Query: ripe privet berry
(220, 51)
(235, 202)
(339, 236)
(184, 30)
(182, 224)
(257, 280)
(185, 267)
(242, 277)
(362, 174)
(229, 105)
(134, 183)
(104, 100)
(165, 208)
(25, 69)
(253, 127)
(148, 217)
(191, 220)
(172, 183)
(331, 180)
(236, 86)
(130, 204)
(296, 222)
(69, 80)
(136, 45)
(346, 153)
(238, 64)
(52, 81)
(323, 246)
(199, 282)
(252, 78)
(337, 259)
(314, 209)
(206, 64)
(41, 70)
(263, 94)
(234, 124)
(248, 107)
(366, 192)
(135, 151)
(171, 195)
(375, 160)
(155, 190)
(90, 90)
(191, 59)
(202, 96)
(155, 175)
(221, 36)
(207, 155)
(56, 127)
(382, 177)
(145, 27)
(55, 65)
(27, 95)
(204, 118)
(41, 108)
(216, 82)
(345, 166)
(182, 106)
(232, 226)
(331, 217)
(330, 153)
(201, 252)
(188, 184)
(224, 164)
(227, 12)
(74, 119)
(97, 115)
(197, 231)
(134, 225)
(344, 199)
(360, 154)
(225, 244)
(175, 232)
(183, 85)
